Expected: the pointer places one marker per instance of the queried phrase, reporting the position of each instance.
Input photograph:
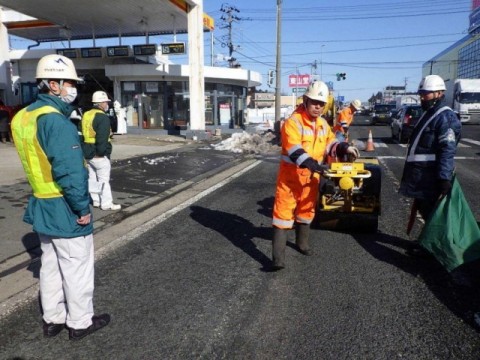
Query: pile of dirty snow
(248, 143)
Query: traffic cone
(370, 146)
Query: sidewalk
(15, 189)
(19, 251)
(124, 146)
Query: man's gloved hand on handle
(353, 151)
(314, 166)
(344, 149)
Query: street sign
(341, 98)
(299, 90)
(173, 48)
(147, 49)
(298, 80)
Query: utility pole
(229, 17)
(278, 84)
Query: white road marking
(403, 157)
(471, 141)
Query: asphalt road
(194, 286)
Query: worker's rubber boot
(302, 232)
(279, 244)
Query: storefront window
(165, 104)
(178, 105)
(129, 99)
(29, 92)
(152, 105)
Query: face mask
(427, 104)
(71, 95)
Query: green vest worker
(49, 148)
(97, 149)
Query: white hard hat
(56, 67)
(317, 90)
(431, 83)
(357, 104)
(100, 96)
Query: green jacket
(102, 146)
(59, 140)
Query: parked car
(382, 113)
(404, 121)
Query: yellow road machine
(349, 197)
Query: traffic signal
(341, 76)
(271, 76)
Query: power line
(366, 39)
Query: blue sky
(377, 43)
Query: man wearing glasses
(307, 139)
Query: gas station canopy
(55, 20)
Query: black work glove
(313, 166)
(445, 187)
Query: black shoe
(51, 329)
(418, 252)
(98, 322)
(307, 252)
(277, 267)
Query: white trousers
(67, 280)
(99, 171)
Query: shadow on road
(239, 231)
(32, 246)
(459, 291)
(266, 207)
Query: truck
(463, 96)
(412, 99)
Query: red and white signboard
(299, 80)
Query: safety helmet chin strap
(44, 83)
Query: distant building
(390, 93)
(459, 60)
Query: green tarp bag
(452, 234)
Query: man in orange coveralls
(306, 141)
(345, 119)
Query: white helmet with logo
(317, 90)
(56, 67)
(357, 104)
(431, 83)
(100, 96)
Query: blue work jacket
(430, 153)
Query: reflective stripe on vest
(33, 158)
(87, 125)
(412, 157)
(321, 132)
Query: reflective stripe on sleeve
(302, 158)
(421, 158)
(294, 148)
(287, 159)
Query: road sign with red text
(298, 80)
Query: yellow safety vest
(87, 125)
(34, 160)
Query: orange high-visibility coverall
(344, 117)
(297, 188)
